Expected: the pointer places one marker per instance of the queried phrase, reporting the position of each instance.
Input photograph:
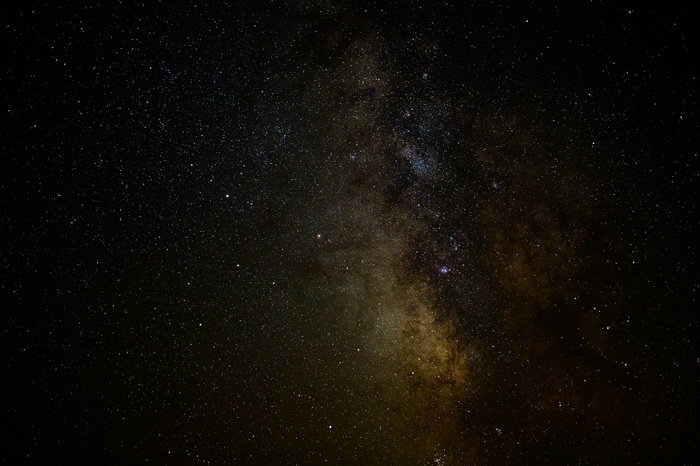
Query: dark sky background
(352, 233)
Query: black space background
(164, 299)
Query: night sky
(350, 233)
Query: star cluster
(349, 233)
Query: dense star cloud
(335, 232)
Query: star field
(339, 232)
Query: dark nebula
(350, 233)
